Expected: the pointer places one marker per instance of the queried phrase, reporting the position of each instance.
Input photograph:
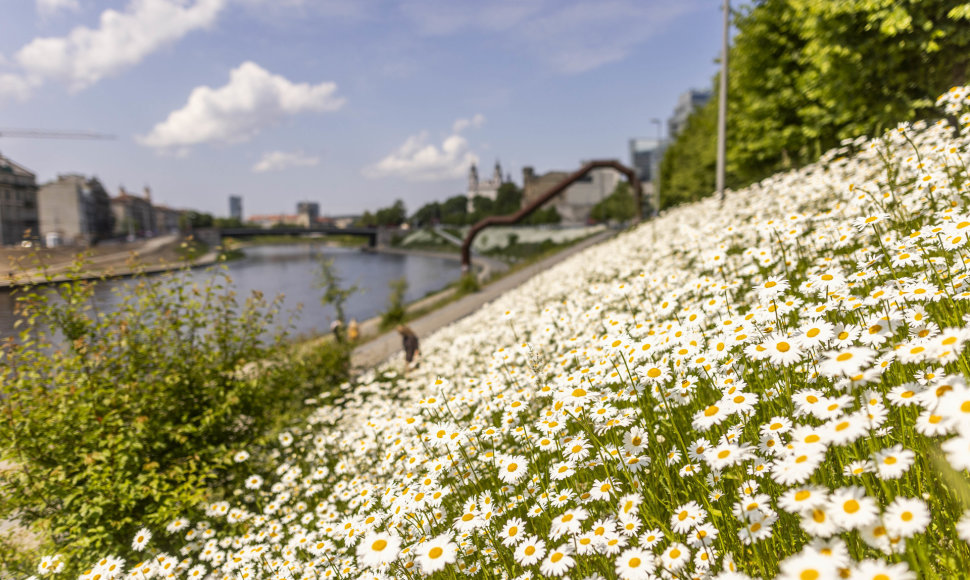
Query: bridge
(214, 236)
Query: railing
(630, 174)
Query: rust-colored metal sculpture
(631, 175)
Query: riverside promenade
(150, 256)
(386, 345)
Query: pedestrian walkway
(383, 347)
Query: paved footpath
(388, 344)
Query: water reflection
(291, 270)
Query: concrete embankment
(148, 257)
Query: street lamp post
(722, 105)
(655, 161)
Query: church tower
(497, 175)
(472, 181)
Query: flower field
(772, 387)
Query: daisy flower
(892, 463)
(879, 570)
(807, 565)
(651, 538)
(558, 561)
(846, 361)
(851, 509)
(511, 533)
(635, 564)
(378, 549)
(141, 540)
(436, 553)
(906, 517)
(675, 557)
(687, 516)
(530, 551)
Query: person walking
(411, 348)
(337, 328)
(353, 330)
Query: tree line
(806, 74)
(456, 211)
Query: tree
(687, 170)
(483, 206)
(334, 294)
(549, 215)
(806, 74)
(193, 219)
(454, 210)
(367, 220)
(508, 200)
(427, 214)
(394, 215)
(619, 206)
(227, 222)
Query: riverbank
(379, 347)
(50, 266)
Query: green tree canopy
(619, 206)
(806, 74)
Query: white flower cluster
(772, 387)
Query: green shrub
(396, 311)
(123, 419)
(468, 284)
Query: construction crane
(38, 134)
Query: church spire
(472, 180)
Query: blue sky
(351, 103)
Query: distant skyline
(349, 103)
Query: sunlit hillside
(772, 386)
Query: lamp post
(722, 105)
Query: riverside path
(388, 344)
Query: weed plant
(115, 420)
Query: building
(235, 208)
(18, 203)
(687, 103)
(575, 204)
(167, 220)
(645, 157)
(74, 210)
(308, 212)
(344, 221)
(134, 215)
(485, 188)
(275, 219)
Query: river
(291, 270)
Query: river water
(291, 270)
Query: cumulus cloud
(50, 7)
(280, 160)
(14, 86)
(461, 124)
(252, 100)
(419, 160)
(123, 39)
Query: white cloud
(252, 100)
(14, 86)
(461, 124)
(280, 160)
(51, 7)
(419, 160)
(122, 40)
